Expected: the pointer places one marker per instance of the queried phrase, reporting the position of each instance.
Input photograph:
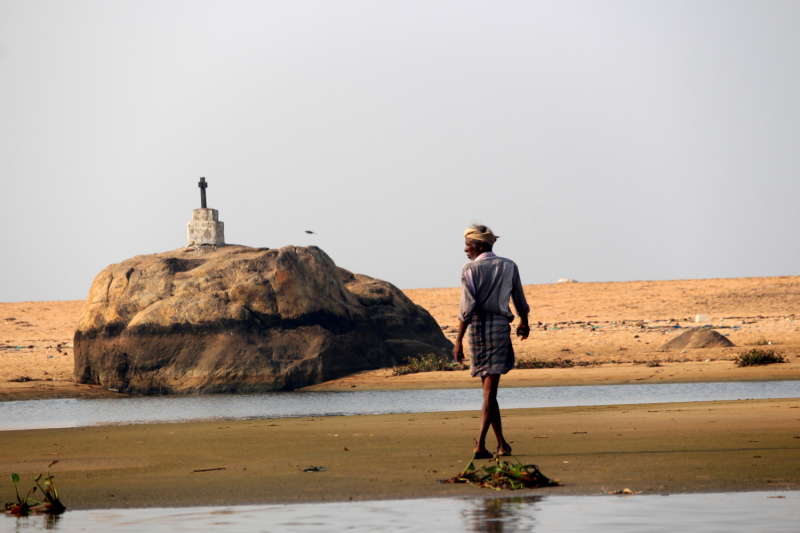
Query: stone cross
(202, 186)
(205, 229)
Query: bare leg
(490, 414)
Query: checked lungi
(489, 341)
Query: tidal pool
(744, 512)
(154, 409)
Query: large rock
(697, 338)
(242, 319)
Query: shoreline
(605, 374)
(687, 447)
(382, 380)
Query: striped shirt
(487, 283)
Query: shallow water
(147, 409)
(722, 512)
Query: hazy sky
(603, 141)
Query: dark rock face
(697, 338)
(406, 328)
(242, 319)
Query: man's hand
(458, 351)
(523, 329)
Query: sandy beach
(666, 448)
(618, 328)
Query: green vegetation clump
(525, 364)
(652, 364)
(760, 341)
(432, 363)
(759, 357)
(504, 475)
(51, 504)
(426, 363)
(21, 379)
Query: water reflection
(743, 512)
(502, 515)
(37, 523)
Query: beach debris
(567, 280)
(759, 357)
(21, 379)
(503, 475)
(702, 318)
(623, 491)
(427, 363)
(759, 341)
(51, 503)
(315, 469)
(209, 469)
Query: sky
(603, 141)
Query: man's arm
(520, 304)
(466, 310)
(458, 349)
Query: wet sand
(657, 448)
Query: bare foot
(504, 449)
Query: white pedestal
(205, 228)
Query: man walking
(487, 282)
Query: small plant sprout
(51, 504)
(21, 506)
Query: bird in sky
(310, 232)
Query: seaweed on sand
(526, 364)
(426, 363)
(24, 506)
(504, 475)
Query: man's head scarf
(474, 234)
